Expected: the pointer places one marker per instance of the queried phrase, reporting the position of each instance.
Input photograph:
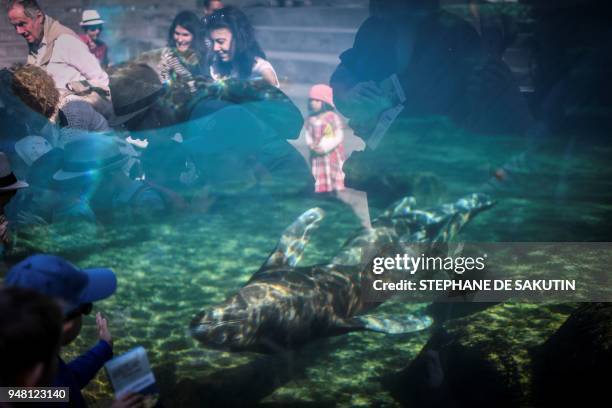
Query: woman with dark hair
(235, 51)
(180, 60)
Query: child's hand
(317, 149)
(103, 332)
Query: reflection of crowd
(94, 143)
(210, 118)
(209, 115)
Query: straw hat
(134, 88)
(91, 18)
(8, 181)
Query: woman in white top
(235, 53)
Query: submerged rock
(427, 188)
(572, 367)
(479, 360)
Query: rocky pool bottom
(171, 269)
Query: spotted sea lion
(284, 306)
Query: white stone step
(13, 51)
(304, 67)
(342, 17)
(309, 39)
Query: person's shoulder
(264, 69)
(75, 107)
(70, 42)
(169, 55)
(373, 23)
(366, 46)
(454, 24)
(373, 29)
(261, 64)
(69, 37)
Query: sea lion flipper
(393, 324)
(290, 247)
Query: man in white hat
(57, 49)
(8, 188)
(92, 25)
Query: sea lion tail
(459, 214)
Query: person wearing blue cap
(75, 289)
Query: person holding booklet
(416, 70)
(76, 290)
(441, 63)
(431, 53)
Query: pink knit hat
(322, 92)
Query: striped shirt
(176, 67)
(5, 239)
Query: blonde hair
(35, 87)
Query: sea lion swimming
(284, 306)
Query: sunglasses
(206, 20)
(83, 309)
(94, 28)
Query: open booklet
(394, 91)
(131, 372)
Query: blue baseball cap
(56, 277)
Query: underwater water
(170, 269)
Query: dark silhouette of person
(443, 74)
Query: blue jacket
(80, 371)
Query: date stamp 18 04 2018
(34, 394)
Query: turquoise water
(170, 269)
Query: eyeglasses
(83, 309)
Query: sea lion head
(225, 327)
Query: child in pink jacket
(324, 137)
